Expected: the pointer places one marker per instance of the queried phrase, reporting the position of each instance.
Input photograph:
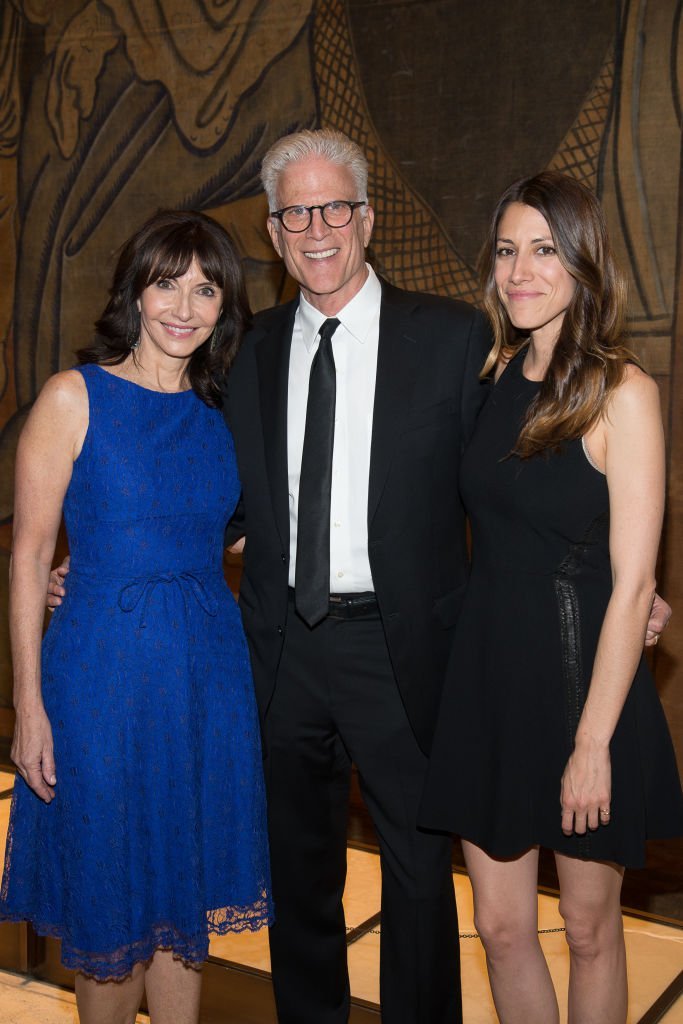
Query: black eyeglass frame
(352, 204)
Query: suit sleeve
(235, 528)
(475, 390)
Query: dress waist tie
(141, 590)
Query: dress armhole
(87, 378)
(589, 457)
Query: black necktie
(312, 573)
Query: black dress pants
(336, 702)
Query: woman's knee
(591, 931)
(502, 933)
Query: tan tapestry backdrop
(112, 108)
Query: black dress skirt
(524, 653)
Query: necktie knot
(327, 329)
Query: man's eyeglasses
(336, 214)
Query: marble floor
(654, 949)
(27, 1001)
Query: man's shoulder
(430, 304)
(263, 323)
(427, 301)
(267, 319)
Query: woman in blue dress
(138, 820)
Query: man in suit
(357, 679)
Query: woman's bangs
(168, 260)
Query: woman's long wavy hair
(589, 357)
(164, 247)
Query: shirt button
(280, 630)
(340, 574)
(337, 524)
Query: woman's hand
(586, 789)
(33, 752)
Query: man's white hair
(325, 142)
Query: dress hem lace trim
(191, 950)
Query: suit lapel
(398, 361)
(272, 357)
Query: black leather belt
(349, 606)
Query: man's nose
(317, 228)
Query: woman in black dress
(551, 732)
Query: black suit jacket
(427, 397)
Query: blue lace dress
(157, 834)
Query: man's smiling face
(328, 263)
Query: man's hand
(660, 613)
(56, 589)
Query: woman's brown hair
(589, 357)
(164, 247)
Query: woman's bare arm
(49, 444)
(630, 439)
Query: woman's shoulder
(636, 391)
(632, 415)
(64, 388)
(59, 417)
(63, 395)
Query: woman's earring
(216, 335)
(134, 329)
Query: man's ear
(368, 223)
(273, 226)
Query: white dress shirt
(354, 345)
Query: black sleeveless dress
(523, 656)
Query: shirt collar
(356, 317)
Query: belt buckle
(348, 606)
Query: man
(359, 681)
